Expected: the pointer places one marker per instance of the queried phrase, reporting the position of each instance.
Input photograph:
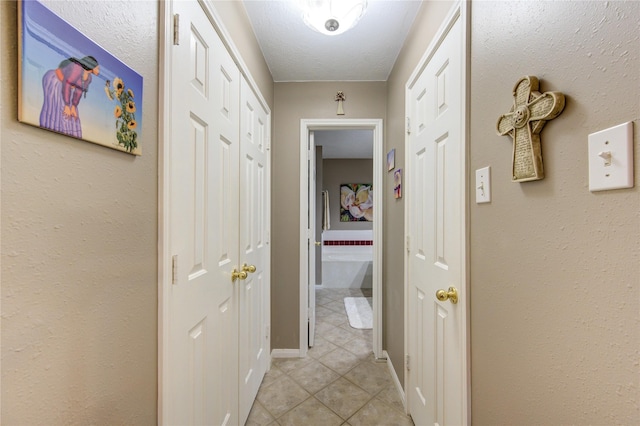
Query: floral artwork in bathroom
(356, 202)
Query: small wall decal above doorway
(340, 98)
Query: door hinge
(268, 144)
(407, 363)
(266, 328)
(408, 125)
(408, 244)
(174, 269)
(176, 29)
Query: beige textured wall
(236, 21)
(79, 239)
(292, 102)
(337, 172)
(427, 22)
(79, 257)
(555, 269)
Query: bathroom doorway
(348, 228)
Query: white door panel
(435, 170)
(254, 247)
(203, 348)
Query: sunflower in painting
(124, 113)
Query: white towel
(326, 221)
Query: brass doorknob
(451, 295)
(248, 268)
(238, 275)
(318, 243)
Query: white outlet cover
(611, 158)
(483, 185)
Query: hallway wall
(555, 293)
(79, 237)
(292, 102)
(79, 246)
(555, 269)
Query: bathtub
(347, 259)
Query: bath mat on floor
(359, 312)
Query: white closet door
(202, 380)
(435, 168)
(254, 247)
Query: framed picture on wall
(356, 202)
(391, 160)
(397, 183)
(70, 85)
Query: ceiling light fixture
(333, 17)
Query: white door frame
(460, 10)
(307, 125)
(311, 250)
(165, 274)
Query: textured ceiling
(295, 52)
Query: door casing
(307, 125)
(311, 251)
(459, 11)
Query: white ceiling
(295, 52)
(367, 52)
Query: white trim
(164, 178)
(379, 165)
(1, 115)
(466, 217)
(304, 242)
(285, 353)
(396, 381)
(459, 10)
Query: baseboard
(285, 353)
(396, 381)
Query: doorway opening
(333, 136)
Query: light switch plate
(611, 158)
(483, 185)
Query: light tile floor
(338, 383)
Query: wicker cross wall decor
(524, 122)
